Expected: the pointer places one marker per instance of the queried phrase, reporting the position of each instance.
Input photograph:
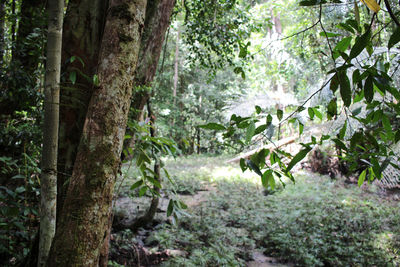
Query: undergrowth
(317, 222)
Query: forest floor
(231, 220)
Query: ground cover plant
(316, 222)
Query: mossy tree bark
(84, 218)
(157, 21)
(50, 130)
(82, 35)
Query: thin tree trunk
(13, 26)
(198, 141)
(84, 219)
(50, 130)
(151, 212)
(32, 16)
(2, 25)
(176, 69)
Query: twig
(305, 102)
(389, 9)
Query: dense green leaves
(361, 43)
(395, 38)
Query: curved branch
(389, 9)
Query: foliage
(216, 30)
(316, 222)
(18, 207)
(198, 100)
(21, 79)
(355, 76)
(20, 137)
(148, 150)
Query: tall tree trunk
(158, 16)
(176, 66)
(13, 26)
(83, 223)
(31, 18)
(82, 35)
(50, 130)
(2, 31)
(157, 21)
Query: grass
(317, 222)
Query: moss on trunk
(84, 218)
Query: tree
(50, 130)
(362, 82)
(83, 222)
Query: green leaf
(264, 178)
(342, 131)
(299, 156)
(250, 131)
(311, 113)
(311, 2)
(271, 181)
(397, 136)
(376, 167)
(387, 126)
(343, 44)
(72, 77)
(361, 178)
(269, 119)
(243, 52)
(345, 90)
(279, 114)
(253, 167)
(154, 182)
(395, 38)
(345, 27)
(334, 84)
(353, 23)
(369, 89)
(20, 189)
(340, 144)
(301, 128)
(356, 111)
(341, 68)
(96, 80)
(143, 190)
(170, 208)
(329, 34)
(137, 184)
(260, 129)
(317, 113)
(332, 109)
(258, 109)
(360, 44)
(213, 126)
